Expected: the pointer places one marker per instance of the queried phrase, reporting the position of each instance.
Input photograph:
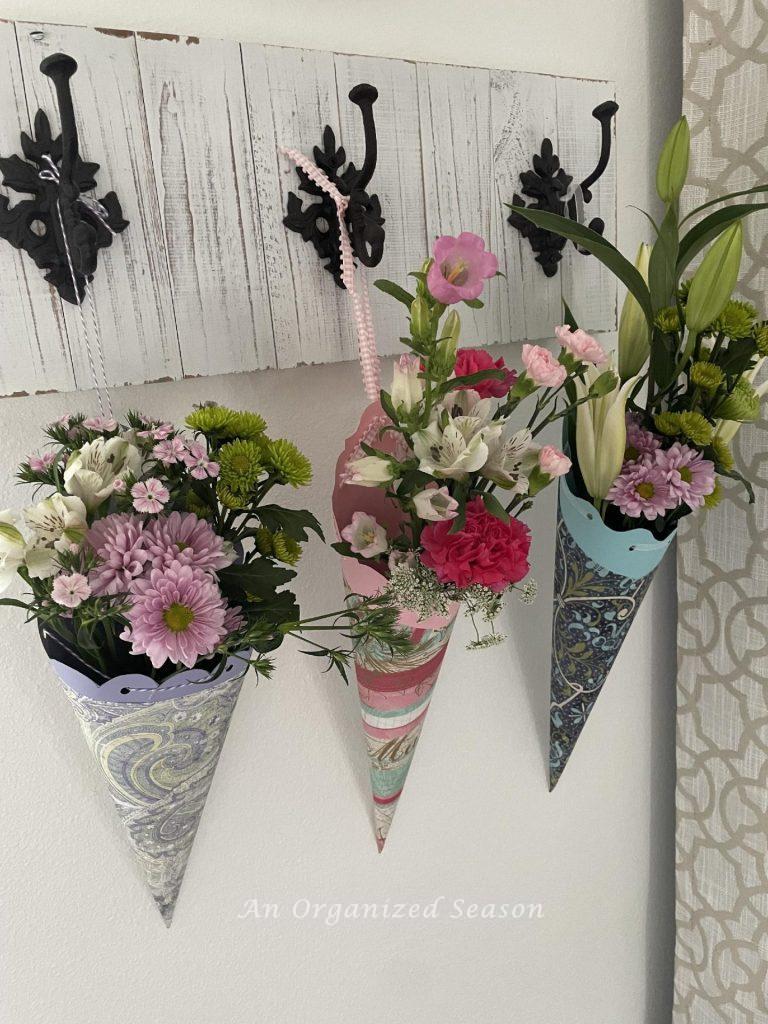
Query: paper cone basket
(394, 690)
(157, 747)
(601, 578)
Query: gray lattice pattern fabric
(721, 962)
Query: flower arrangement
(457, 477)
(157, 548)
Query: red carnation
(485, 551)
(475, 360)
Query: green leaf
(387, 406)
(724, 199)
(709, 228)
(663, 359)
(662, 267)
(13, 603)
(474, 303)
(494, 506)
(733, 474)
(344, 548)
(261, 578)
(390, 288)
(293, 522)
(570, 319)
(588, 239)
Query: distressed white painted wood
(587, 286)
(518, 135)
(291, 97)
(398, 179)
(34, 350)
(131, 296)
(455, 116)
(197, 118)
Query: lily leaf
(709, 228)
(662, 275)
(723, 199)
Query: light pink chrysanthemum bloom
(197, 462)
(40, 463)
(691, 477)
(149, 495)
(640, 441)
(233, 619)
(178, 614)
(642, 489)
(581, 345)
(70, 590)
(120, 542)
(170, 451)
(102, 424)
(460, 267)
(183, 537)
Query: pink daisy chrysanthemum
(197, 462)
(149, 495)
(642, 489)
(640, 441)
(119, 541)
(169, 451)
(178, 614)
(184, 538)
(691, 477)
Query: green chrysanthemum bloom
(742, 405)
(240, 465)
(286, 549)
(263, 541)
(713, 500)
(737, 319)
(287, 462)
(210, 419)
(696, 428)
(707, 376)
(668, 423)
(667, 320)
(722, 453)
(229, 498)
(248, 426)
(761, 339)
(682, 291)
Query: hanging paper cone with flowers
(655, 447)
(157, 573)
(430, 493)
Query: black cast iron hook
(318, 222)
(61, 228)
(548, 186)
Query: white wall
(288, 813)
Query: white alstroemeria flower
(407, 387)
(14, 540)
(91, 471)
(467, 404)
(505, 461)
(58, 522)
(365, 536)
(435, 504)
(601, 432)
(449, 452)
(370, 471)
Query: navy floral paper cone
(601, 578)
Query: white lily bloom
(14, 540)
(504, 465)
(601, 433)
(407, 388)
(91, 471)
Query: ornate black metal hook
(549, 186)
(60, 228)
(318, 222)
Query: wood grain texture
(291, 97)
(34, 348)
(197, 118)
(130, 292)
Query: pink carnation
(691, 477)
(149, 495)
(642, 489)
(553, 462)
(197, 462)
(178, 614)
(170, 451)
(460, 266)
(41, 463)
(485, 551)
(476, 360)
(70, 590)
(542, 367)
(120, 541)
(581, 345)
(100, 424)
(184, 538)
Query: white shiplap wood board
(206, 279)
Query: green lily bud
(447, 346)
(672, 168)
(634, 333)
(715, 279)
(420, 319)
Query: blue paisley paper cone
(601, 578)
(157, 748)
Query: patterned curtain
(721, 961)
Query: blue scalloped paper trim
(631, 553)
